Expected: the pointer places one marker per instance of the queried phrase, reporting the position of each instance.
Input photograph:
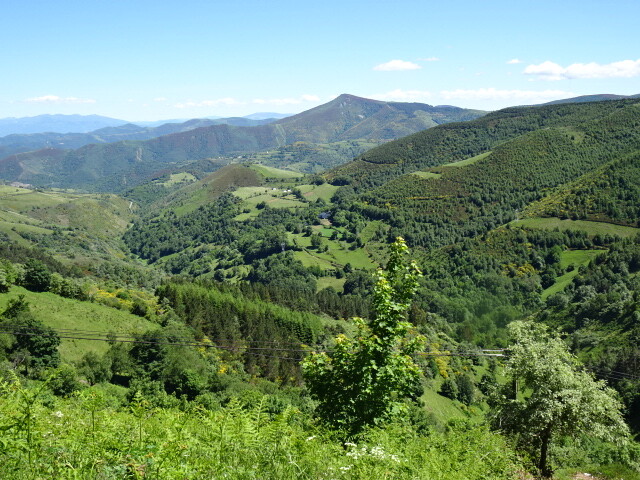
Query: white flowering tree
(554, 396)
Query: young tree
(37, 276)
(35, 345)
(551, 396)
(363, 380)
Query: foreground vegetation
(196, 319)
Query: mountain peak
(347, 97)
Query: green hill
(78, 319)
(121, 165)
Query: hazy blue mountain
(590, 98)
(20, 143)
(56, 123)
(268, 115)
(117, 166)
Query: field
(274, 200)
(176, 178)
(570, 257)
(338, 253)
(272, 172)
(427, 174)
(25, 215)
(314, 192)
(468, 161)
(246, 192)
(63, 313)
(591, 228)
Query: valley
(216, 266)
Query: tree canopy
(553, 396)
(363, 380)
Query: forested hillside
(115, 167)
(460, 303)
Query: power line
(99, 336)
(95, 335)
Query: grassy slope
(570, 257)
(592, 228)
(63, 313)
(88, 225)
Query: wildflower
(58, 414)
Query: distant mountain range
(19, 143)
(73, 124)
(56, 123)
(120, 165)
(591, 98)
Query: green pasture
(314, 192)
(338, 253)
(274, 201)
(570, 257)
(336, 283)
(21, 199)
(468, 161)
(63, 313)
(246, 192)
(591, 228)
(272, 172)
(176, 178)
(368, 231)
(426, 174)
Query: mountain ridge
(346, 118)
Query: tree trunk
(545, 439)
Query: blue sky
(150, 60)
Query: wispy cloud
(530, 96)
(552, 71)
(397, 66)
(57, 99)
(400, 95)
(160, 99)
(514, 61)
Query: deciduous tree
(553, 396)
(363, 380)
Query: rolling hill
(56, 123)
(118, 166)
(19, 143)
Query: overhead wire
(244, 349)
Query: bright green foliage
(8, 275)
(361, 382)
(33, 345)
(553, 397)
(37, 276)
(86, 437)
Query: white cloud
(57, 99)
(552, 71)
(399, 95)
(514, 61)
(160, 99)
(397, 66)
(530, 96)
